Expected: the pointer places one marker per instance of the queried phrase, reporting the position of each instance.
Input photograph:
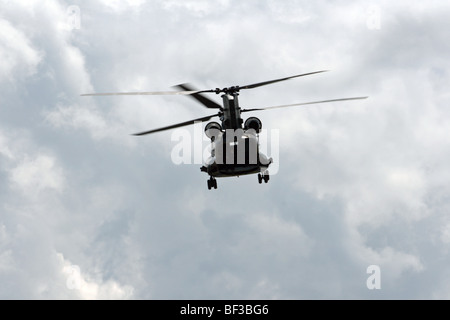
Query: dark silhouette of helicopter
(234, 143)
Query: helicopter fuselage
(234, 148)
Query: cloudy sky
(88, 211)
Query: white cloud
(6, 260)
(82, 287)
(119, 6)
(445, 234)
(18, 58)
(5, 150)
(30, 171)
(392, 262)
(38, 173)
(275, 234)
(78, 117)
(289, 11)
(198, 7)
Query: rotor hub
(229, 90)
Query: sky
(357, 206)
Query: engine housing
(212, 129)
(253, 123)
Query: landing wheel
(263, 176)
(212, 183)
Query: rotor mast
(231, 118)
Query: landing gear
(212, 183)
(263, 176)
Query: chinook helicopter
(234, 143)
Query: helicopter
(234, 142)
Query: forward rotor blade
(259, 84)
(197, 96)
(302, 104)
(182, 124)
(156, 93)
(201, 99)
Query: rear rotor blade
(156, 93)
(200, 98)
(259, 84)
(182, 124)
(302, 104)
